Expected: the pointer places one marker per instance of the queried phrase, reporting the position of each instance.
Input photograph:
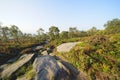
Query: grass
(28, 75)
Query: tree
(0, 31)
(15, 33)
(40, 31)
(64, 34)
(82, 34)
(41, 35)
(73, 32)
(5, 33)
(54, 32)
(92, 31)
(113, 26)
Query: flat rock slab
(66, 47)
(10, 69)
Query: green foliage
(30, 74)
(54, 32)
(41, 36)
(64, 35)
(98, 56)
(92, 31)
(24, 70)
(113, 26)
(73, 32)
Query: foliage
(64, 35)
(112, 26)
(54, 32)
(30, 74)
(98, 56)
(41, 36)
(92, 31)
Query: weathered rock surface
(48, 68)
(44, 53)
(39, 47)
(66, 47)
(10, 69)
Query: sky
(30, 15)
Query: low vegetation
(98, 54)
(98, 57)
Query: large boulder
(46, 67)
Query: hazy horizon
(30, 15)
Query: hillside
(97, 56)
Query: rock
(46, 68)
(49, 50)
(39, 48)
(2, 54)
(72, 72)
(27, 50)
(51, 54)
(10, 69)
(44, 53)
(40, 51)
(66, 47)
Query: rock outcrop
(48, 68)
(10, 69)
(46, 65)
(66, 47)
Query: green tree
(83, 34)
(112, 26)
(0, 32)
(64, 34)
(73, 32)
(15, 33)
(92, 31)
(5, 33)
(40, 31)
(54, 32)
(41, 35)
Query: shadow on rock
(53, 68)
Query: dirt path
(66, 47)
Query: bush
(98, 56)
(98, 40)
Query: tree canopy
(112, 26)
(54, 32)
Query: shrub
(98, 40)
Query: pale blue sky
(29, 15)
